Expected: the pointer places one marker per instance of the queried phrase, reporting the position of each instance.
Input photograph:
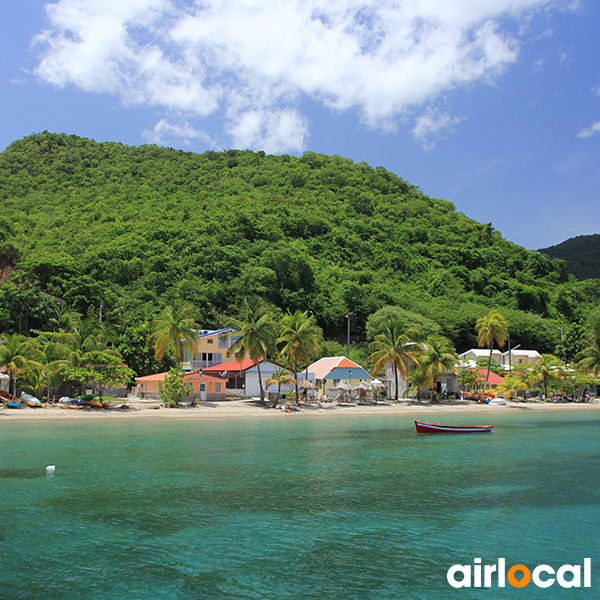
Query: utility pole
(348, 338)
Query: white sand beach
(251, 409)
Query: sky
(494, 105)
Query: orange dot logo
(518, 583)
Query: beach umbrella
(377, 384)
(362, 386)
(307, 385)
(342, 385)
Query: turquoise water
(296, 508)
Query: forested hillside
(131, 227)
(582, 254)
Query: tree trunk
(296, 378)
(487, 375)
(396, 380)
(277, 399)
(262, 393)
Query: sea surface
(296, 508)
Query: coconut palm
(302, 338)
(438, 356)
(18, 354)
(396, 344)
(418, 377)
(257, 335)
(589, 357)
(511, 385)
(280, 377)
(491, 328)
(176, 326)
(545, 371)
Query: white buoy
(50, 468)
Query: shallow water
(293, 508)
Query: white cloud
(252, 61)
(431, 124)
(165, 133)
(585, 133)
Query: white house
(520, 357)
(475, 354)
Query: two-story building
(210, 350)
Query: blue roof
(207, 332)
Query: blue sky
(493, 105)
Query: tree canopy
(89, 224)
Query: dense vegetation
(131, 228)
(582, 254)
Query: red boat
(438, 428)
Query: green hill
(581, 253)
(128, 227)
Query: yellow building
(211, 349)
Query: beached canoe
(10, 400)
(423, 427)
(31, 400)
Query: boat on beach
(423, 427)
(31, 400)
(10, 400)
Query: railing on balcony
(203, 364)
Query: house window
(218, 388)
(202, 387)
(209, 341)
(145, 386)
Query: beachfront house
(210, 349)
(470, 357)
(518, 357)
(446, 385)
(205, 387)
(328, 372)
(242, 376)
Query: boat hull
(423, 427)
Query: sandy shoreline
(245, 409)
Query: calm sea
(297, 508)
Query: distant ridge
(582, 254)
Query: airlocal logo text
(519, 576)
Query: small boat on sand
(10, 400)
(31, 400)
(423, 427)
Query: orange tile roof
(326, 365)
(232, 365)
(494, 378)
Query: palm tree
(419, 377)
(511, 384)
(302, 338)
(545, 371)
(491, 328)
(280, 377)
(18, 354)
(589, 357)
(175, 326)
(438, 356)
(257, 335)
(395, 344)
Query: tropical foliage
(396, 345)
(120, 235)
(281, 377)
(174, 327)
(491, 328)
(257, 333)
(130, 228)
(174, 387)
(301, 338)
